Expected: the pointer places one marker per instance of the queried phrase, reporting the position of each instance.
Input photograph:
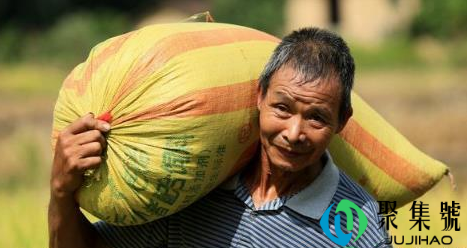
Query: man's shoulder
(350, 190)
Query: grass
(26, 80)
(24, 218)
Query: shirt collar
(313, 200)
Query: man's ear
(348, 114)
(259, 98)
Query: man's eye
(281, 107)
(316, 118)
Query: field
(427, 105)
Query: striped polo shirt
(227, 217)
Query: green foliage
(33, 14)
(70, 40)
(265, 15)
(10, 44)
(66, 43)
(441, 19)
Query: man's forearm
(68, 227)
(78, 148)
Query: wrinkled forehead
(288, 77)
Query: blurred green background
(411, 58)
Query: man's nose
(293, 132)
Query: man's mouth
(289, 153)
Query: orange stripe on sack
(176, 44)
(214, 100)
(80, 84)
(405, 173)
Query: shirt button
(253, 214)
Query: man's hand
(79, 147)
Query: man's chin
(287, 166)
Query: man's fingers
(102, 126)
(90, 163)
(90, 149)
(91, 136)
(81, 125)
(88, 122)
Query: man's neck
(267, 182)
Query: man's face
(297, 121)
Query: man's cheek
(266, 129)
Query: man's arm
(78, 148)
(68, 227)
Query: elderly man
(284, 198)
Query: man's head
(314, 53)
(305, 97)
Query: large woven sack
(381, 160)
(181, 99)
